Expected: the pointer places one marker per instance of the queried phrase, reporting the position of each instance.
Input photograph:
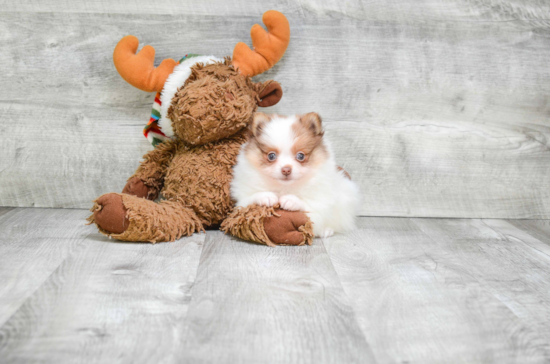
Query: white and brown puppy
(287, 161)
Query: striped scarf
(152, 130)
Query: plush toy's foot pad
(109, 214)
(288, 228)
(266, 225)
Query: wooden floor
(397, 290)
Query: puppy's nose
(286, 170)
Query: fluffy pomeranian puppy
(288, 162)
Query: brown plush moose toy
(200, 119)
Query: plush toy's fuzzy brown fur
(214, 103)
(266, 225)
(192, 172)
(146, 220)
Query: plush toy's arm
(148, 179)
(269, 226)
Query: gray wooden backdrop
(437, 108)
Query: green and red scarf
(152, 130)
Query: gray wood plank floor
(395, 290)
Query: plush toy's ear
(258, 122)
(270, 94)
(313, 122)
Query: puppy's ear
(258, 122)
(313, 122)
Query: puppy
(287, 161)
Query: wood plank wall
(436, 108)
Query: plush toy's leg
(266, 225)
(130, 218)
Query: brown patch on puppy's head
(259, 120)
(309, 138)
(256, 148)
(313, 122)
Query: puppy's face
(286, 149)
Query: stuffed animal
(199, 121)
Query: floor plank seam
(348, 298)
(519, 239)
(38, 287)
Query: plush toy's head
(203, 98)
(216, 102)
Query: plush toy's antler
(139, 69)
(268, 46)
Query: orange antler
(268, 46)
(139, 69)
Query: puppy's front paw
(265, 199)
(328, 232)
(291, 203)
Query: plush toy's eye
(271, 156)
(300, 157)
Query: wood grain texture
(436, 109)
(536, 11)
(444, 291)
(107, 301)
(33, 243)
(511, 270)
(540, 229)
(396, 290)
(5, 210)
(254, 304)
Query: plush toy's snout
(201, 112)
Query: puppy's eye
(300, 157)
(271, 156)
